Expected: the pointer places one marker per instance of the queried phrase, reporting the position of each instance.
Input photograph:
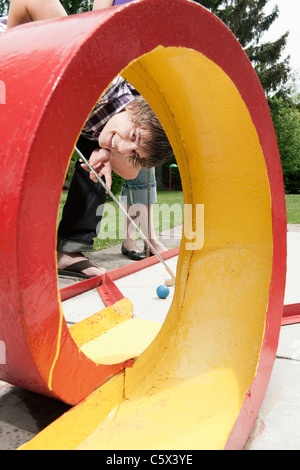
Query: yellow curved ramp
(187, 389)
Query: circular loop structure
(218, 344)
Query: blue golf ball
(162, 292)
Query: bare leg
(25, 11)
(139, 214)
(130, 230)
(144, 227)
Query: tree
(286, 119)
(76, 6)
(248, 22)
(4, 5)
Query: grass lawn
(168, 213)
(293, 208)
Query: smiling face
(123, 138)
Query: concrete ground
(277, 426)
(23, 414)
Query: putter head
(170, 282)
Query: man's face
(121, 137)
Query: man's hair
(158, 148)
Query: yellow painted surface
(182, 416)
(218, 315)
(76, 425)
(125, 341)
(98, 324)
(187, 389)
(58, 346)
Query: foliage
(76, 6)
(293, 208)
(286, 120)
(117, 184)
(248, 22)
(175, 176)
(4, 5)
(112, 224)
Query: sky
(288, 20)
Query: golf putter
(168, 282)
(148, 207)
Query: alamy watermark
(2, 353)
(190, 216)
(2, 92)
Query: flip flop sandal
(75, 270)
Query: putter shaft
(123, 210)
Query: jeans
(81, 214)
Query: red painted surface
(291, 314)
(79, 288)
(84, 286)
(54, 73)
(109, 292)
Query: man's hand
(100, 161)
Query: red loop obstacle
(229, 295)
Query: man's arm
(100, 4)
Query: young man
(122, 134)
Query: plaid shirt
(3, 24)
(116, 97)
